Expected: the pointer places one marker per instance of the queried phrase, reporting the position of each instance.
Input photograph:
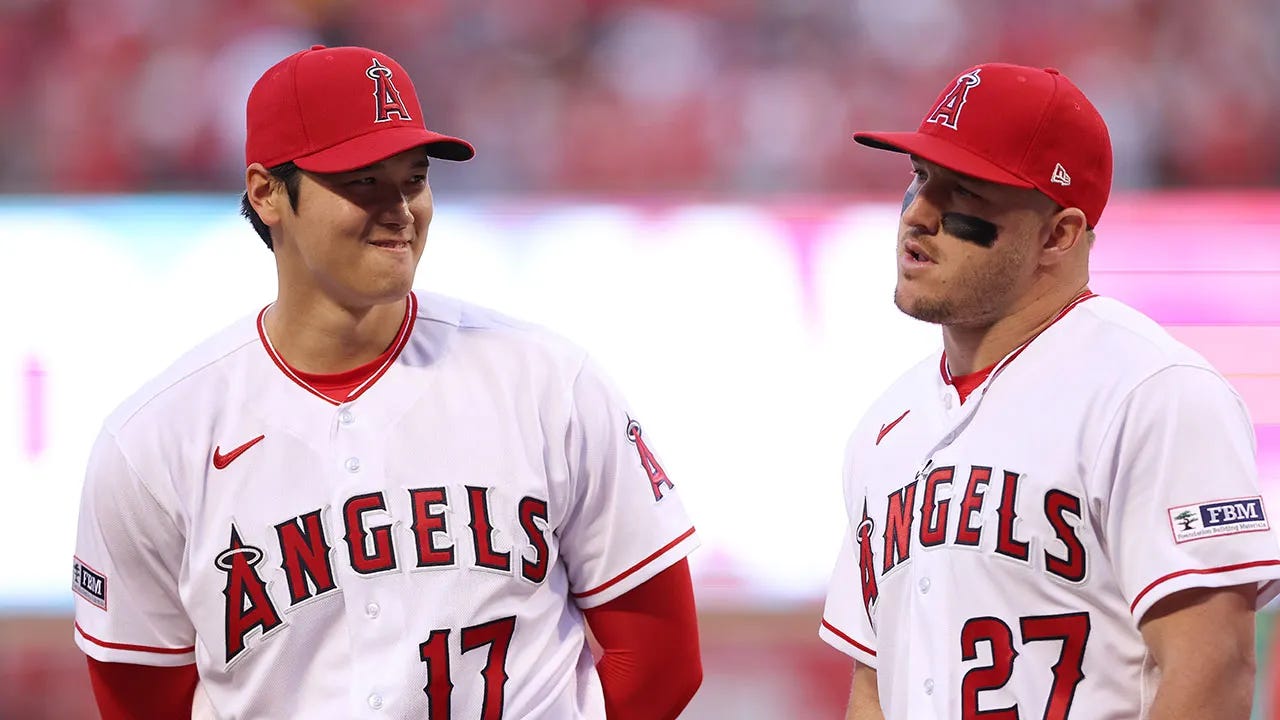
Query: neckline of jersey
(315, 382)
(966, 384)
(948, 379)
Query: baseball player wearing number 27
(369, 502)
(1057, 516)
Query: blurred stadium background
(668, 182)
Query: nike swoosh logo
(220, 461)
(884, 429)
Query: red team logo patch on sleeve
(1218, 517)
(657, 476)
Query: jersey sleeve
(845, 625)
(1178, 477)
(126, 570)
(626, 522)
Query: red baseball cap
(1017, 126)
(337, 109)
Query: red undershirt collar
(338, 386)
(966, 384)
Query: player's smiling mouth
(391, 244)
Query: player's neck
(318, 335)
(971, 348)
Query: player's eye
(362, 181)
(963, 191)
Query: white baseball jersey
(1001, 552)
(421, 550)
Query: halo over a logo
(947, 112)
(386, 96)
(657, 476)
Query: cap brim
(377, 146)
(939, 151)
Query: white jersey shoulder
(1132, 345)
(477, 324)
(192, 367)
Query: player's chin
(919, 305)
(387, 284)
(910, 289)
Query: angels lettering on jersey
(978, 508)
(375, 542)
(304, 550)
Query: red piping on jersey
(134, 648)
(1209, 571)
(1084, 295)
(402, 337)
(847, 639)
(631, 570)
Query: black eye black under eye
(970, 228)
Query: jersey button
(924, 586)
(353, 464)
(946, 401)
(928, 686)
(346, 417)
(372, 610)
(375, 701)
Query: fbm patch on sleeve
(1218, 517)
(89, 583)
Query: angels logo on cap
(385, 93)
(947, 111)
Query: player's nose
(920, 213)
(397, 211)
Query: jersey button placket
(349, 441)
(951, 401)
(915, 589)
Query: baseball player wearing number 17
(367, 502)
(1057, 516)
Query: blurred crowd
(696, 97)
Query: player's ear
(261, 189)
(1067, 234)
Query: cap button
(317, 47)
(1053, 71)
